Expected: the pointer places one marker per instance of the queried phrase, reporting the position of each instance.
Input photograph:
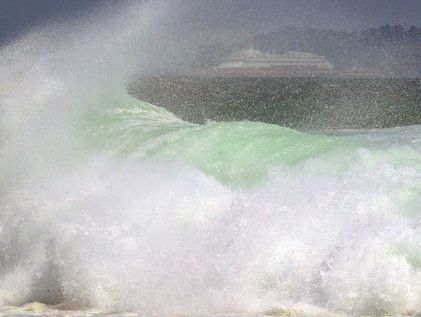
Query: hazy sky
(18, 15)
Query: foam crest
(170, 239)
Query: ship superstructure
(292, 60)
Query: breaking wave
(111, 203)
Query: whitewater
(111, 205)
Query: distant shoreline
(283, 73)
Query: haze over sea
(111, 205)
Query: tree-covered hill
(393, 50)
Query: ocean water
(113, 206)
(299, 103)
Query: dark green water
(309, 103)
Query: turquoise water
(238, 153)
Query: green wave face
(233, 152)
(242, 152)
(236, 153)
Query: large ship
(293, 60)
